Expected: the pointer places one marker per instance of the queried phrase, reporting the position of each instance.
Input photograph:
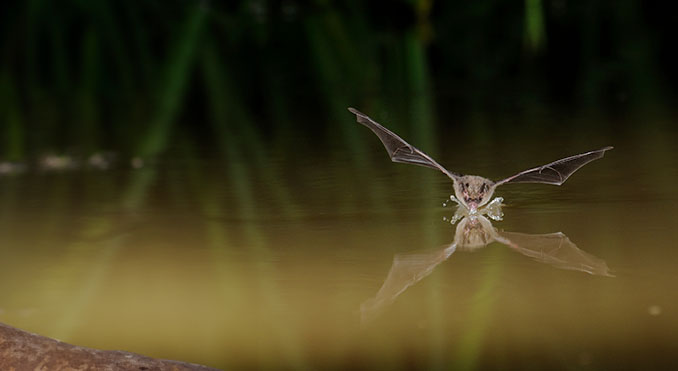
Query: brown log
(21, 350)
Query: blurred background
(140, 77)
(183, 179)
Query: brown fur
(473, 191)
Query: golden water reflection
(473, 232)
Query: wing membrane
(407, 269)
(556, 172)
(398, 149)
(557, 250)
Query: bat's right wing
(398, 149)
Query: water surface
(231, 264)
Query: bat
(472, 233)
(474, 191)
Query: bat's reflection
(475, 232)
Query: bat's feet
(460, 214)
(493, 209)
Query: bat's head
(473, 191)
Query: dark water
(282, 266)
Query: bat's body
(474, 191)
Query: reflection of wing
(407, 269)
(555, 249)
(398, 149)
(556, 172)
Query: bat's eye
(466, 185)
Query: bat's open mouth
(473, 203)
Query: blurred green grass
(119, 75)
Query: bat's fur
(473, 191)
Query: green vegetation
(119, 75)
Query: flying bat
(474, 191)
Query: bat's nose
(472, 206)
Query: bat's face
(473, 191)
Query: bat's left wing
(556, 172)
